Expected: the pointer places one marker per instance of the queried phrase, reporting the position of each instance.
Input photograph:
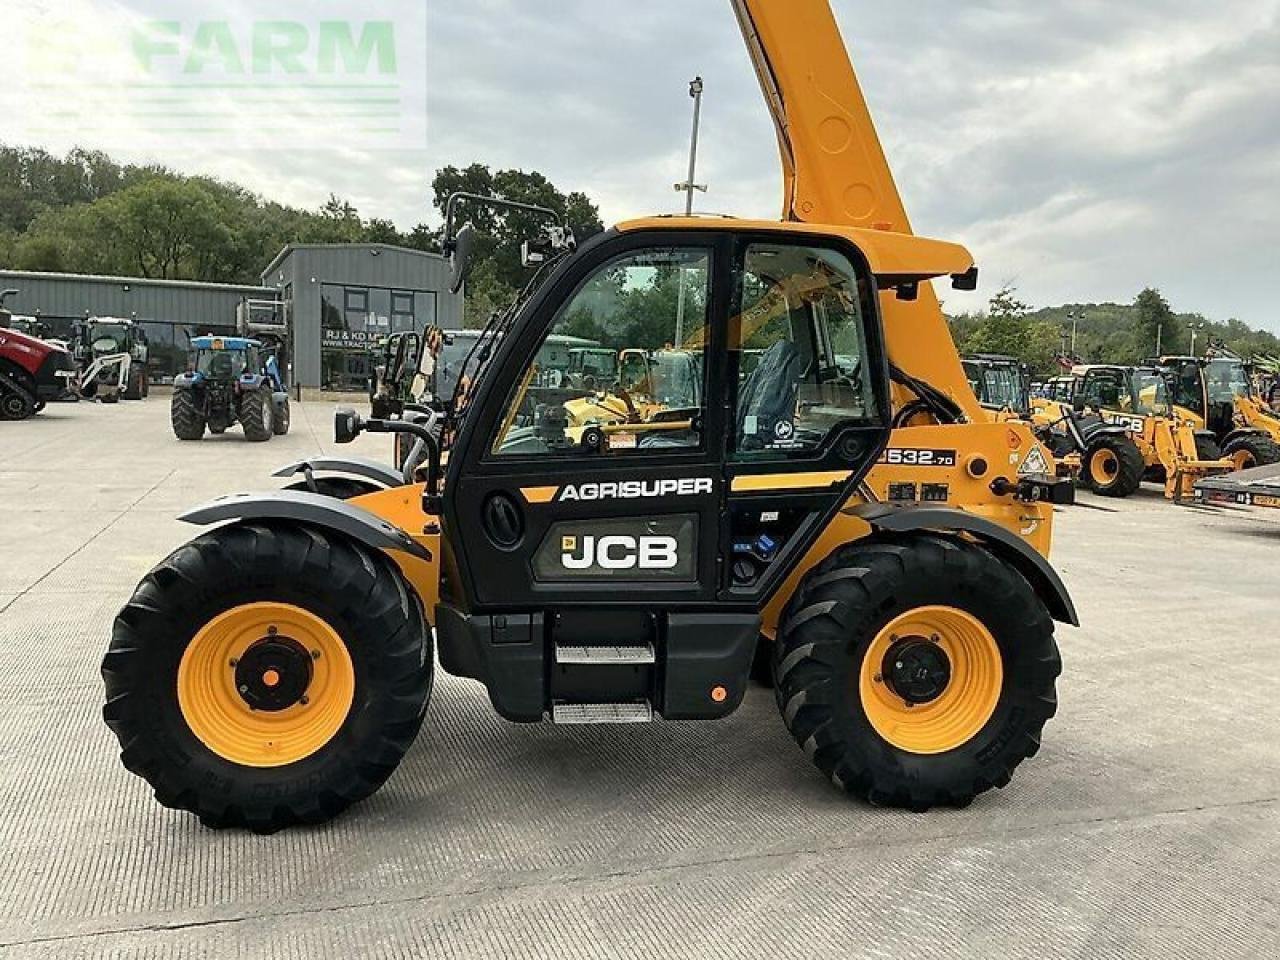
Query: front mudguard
(312, 510)
(371, 470)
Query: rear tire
(281, 418)
(943, 751)
(256, 416)
(1253, 451)
(374, 617)
(133, 391)
(1113, 467)
(1207, 449)
(187, 422)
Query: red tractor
(32, 371)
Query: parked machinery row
(229, 380)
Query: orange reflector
(1015, 440)
(719, 694)
(271, 678)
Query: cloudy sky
(1082, 150)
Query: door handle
(503, 521)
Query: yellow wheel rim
(1243, 460)
(266, 684)
(1105, 467)
(960, 702)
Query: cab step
(579, 714)
(602, 656)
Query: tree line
(1099, 332)
(87, 213)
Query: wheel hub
(274, 674)
(917, 669)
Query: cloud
(1082, 150)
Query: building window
(356, 301)
(402, 312)
(355, 320)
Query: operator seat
(220, 366)
(769, 396)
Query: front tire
(1113, 467)
(281, 417)
(256, 416)
(917, 672)
(265, 676)
(17, 396)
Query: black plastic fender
(365, 469)
(1240, 433)
(1094, 431)
(1008, 547)
(313, 510)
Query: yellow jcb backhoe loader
(1173, 451)
(1216, 394)
(864, 516)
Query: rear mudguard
(1005, 545)
(379, 473)
(313, 510)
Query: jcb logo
(619, 553)
(1131, 424)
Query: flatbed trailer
(1258, 487)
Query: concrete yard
(1148, 826)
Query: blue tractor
(231, 380)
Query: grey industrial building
(339, 299)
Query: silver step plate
(605, 656)
(601, 713)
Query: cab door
(567, 492)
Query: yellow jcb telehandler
(864, 516)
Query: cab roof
(895, 258)
(223, 343)
(1080, 369)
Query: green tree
(497, 269)
(1008, 329)
(1155, 322)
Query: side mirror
(346, 425)
(460, 258)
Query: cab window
(633, 381)
(800, 348)
(1107, 390)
